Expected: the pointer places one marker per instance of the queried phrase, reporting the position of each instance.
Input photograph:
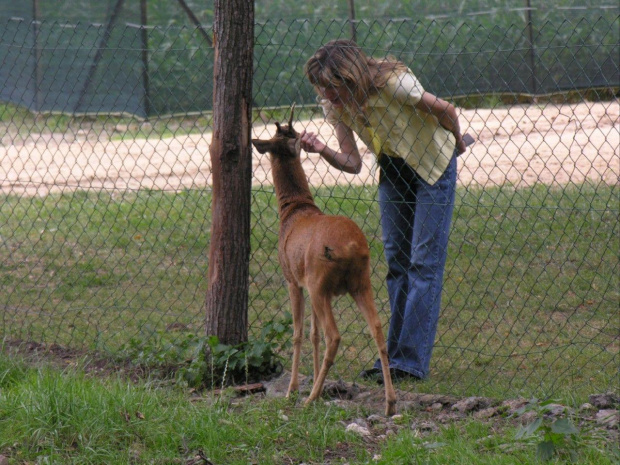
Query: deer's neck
(292, 189)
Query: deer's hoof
(292, 395)
(310, 399)
(390, 409)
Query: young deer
(328, 255)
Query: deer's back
(327, 251)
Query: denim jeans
(415, 220)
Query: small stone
(425, 427)
(361, 422)
(608, 418)
(587, 407)
(604, 401)
(374, 419)
(355, 428)
(340, 390)
(468, 405)
(485, 413)
(446, 418)
(514, 404)
(555, 410)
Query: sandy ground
(520, 145)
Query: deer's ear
(290, 120)
(261, 145)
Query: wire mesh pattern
(105, 217)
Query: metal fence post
(37, 55)
(352, 20)
(145, 57)
(99, 54)
(530, 34)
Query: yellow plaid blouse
(391, 124)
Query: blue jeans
(415, 219)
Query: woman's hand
(347, 159)
(311, 143)
(461, 146)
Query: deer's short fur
(328, 255)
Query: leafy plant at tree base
(202, 361)
(249, 361)
(554, 434)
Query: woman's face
(337, 95)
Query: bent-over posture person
(416, 137)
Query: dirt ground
(520, 145)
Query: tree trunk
(231, 161)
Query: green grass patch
(65, 417)
(529, 306)
(49, 415)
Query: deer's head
(285, 144)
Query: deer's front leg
(297, 305)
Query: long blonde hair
(342, 62)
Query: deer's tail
(351, 250)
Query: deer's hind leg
(315, 338)
(297, 305)
(321, 306)
(365, 301)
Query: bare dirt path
(520, 145)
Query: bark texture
(231, 158)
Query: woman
(416, 137)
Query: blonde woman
(416, 137)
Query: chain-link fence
(105, 218)
(116, 57)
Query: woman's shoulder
(404, 85)
(402, 78)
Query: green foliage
(252, 360)
(452, 51)
(10, 372)
(464, 48)
(204, 362)
(554, 435)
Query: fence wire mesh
(105, 217)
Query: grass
(529, 307)
(48, 415)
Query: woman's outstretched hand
(311, 143)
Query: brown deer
(328, 255)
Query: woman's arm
(445, 114)
(348, 159)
